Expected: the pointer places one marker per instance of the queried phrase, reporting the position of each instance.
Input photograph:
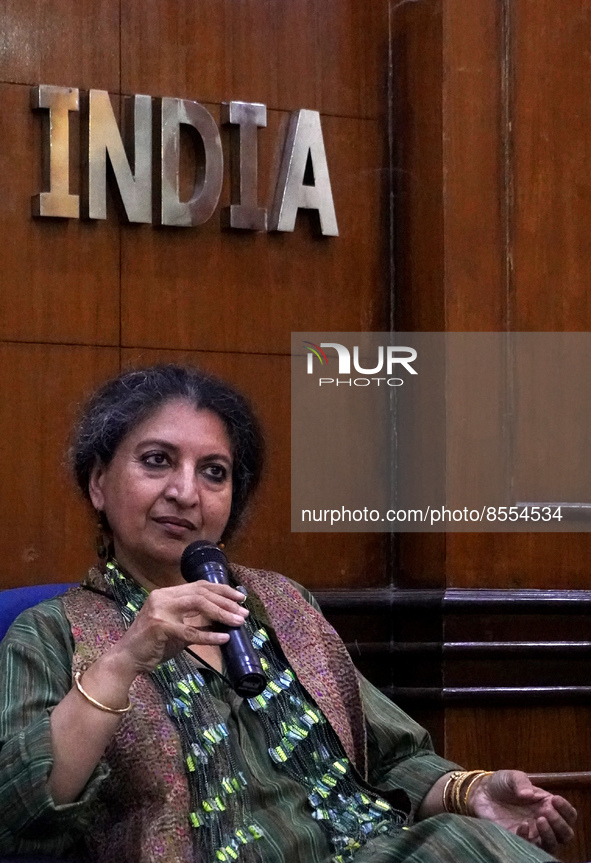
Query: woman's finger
(199, 635)
(529, 831)
(520, 784)
(561, 829)
(549, 842)
(195, 589)
(568, 812)
(193, 603)
(530, 794)
(222, 612)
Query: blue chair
(12, 602)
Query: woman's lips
(175, 525)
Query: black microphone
(202, 559)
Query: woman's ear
(95, 486)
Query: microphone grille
(202, 551)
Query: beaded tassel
(302, 742)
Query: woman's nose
(183, 487)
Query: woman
(120, 736)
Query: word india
(150, 140)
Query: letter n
(104, 139)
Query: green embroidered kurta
(35, 674)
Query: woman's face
(168, 484)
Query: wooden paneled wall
(82, 299)
(492, 191)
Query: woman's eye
(217, 472)
(155, 459)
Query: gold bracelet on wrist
(448, 789)
(457, 790)
(95, 703)
(475, 779)
(464, 783)
(456, 800)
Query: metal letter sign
(206, 195)
(148, 135)
(59, 101)
(135, 190)
(304, 141)
(244, 211)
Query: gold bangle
(96, 703)
(449, 787)
(468, 777)
(455, 798)
(471, 783)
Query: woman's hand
(508, 798)
(174, 617)
(170, 619)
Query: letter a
(304, 144)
